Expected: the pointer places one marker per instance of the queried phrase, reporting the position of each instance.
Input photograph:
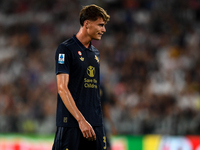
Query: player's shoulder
(65, 45)
(68, 42)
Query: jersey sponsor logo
(81, 58)
(79, 52)
(96, 58)
(61, 58)
(90, 83)
(91, 71)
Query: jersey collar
(81, 45)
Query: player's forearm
(70, 104)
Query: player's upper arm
(62, 59)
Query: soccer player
(79, 115)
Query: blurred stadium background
(150, 72)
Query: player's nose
(104, 29)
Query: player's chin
(98, 37)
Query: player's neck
(83, 37)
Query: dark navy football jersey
(82, 65)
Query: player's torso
(84, 73)
(84, 82)
(85, 64)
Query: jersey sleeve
(62, 59)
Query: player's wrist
(80, 119)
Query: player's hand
(87, 130)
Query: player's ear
(86, 24)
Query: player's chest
(84, 59)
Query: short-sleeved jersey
(82, 65)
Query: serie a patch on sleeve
(61, 58)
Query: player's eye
(101, 25)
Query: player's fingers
(84, 134)
(90, 135)
(87, 134)
(93, 134)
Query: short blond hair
(92, 12)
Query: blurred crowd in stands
(150, 64)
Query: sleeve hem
(60, 72)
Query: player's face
(96, 28)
